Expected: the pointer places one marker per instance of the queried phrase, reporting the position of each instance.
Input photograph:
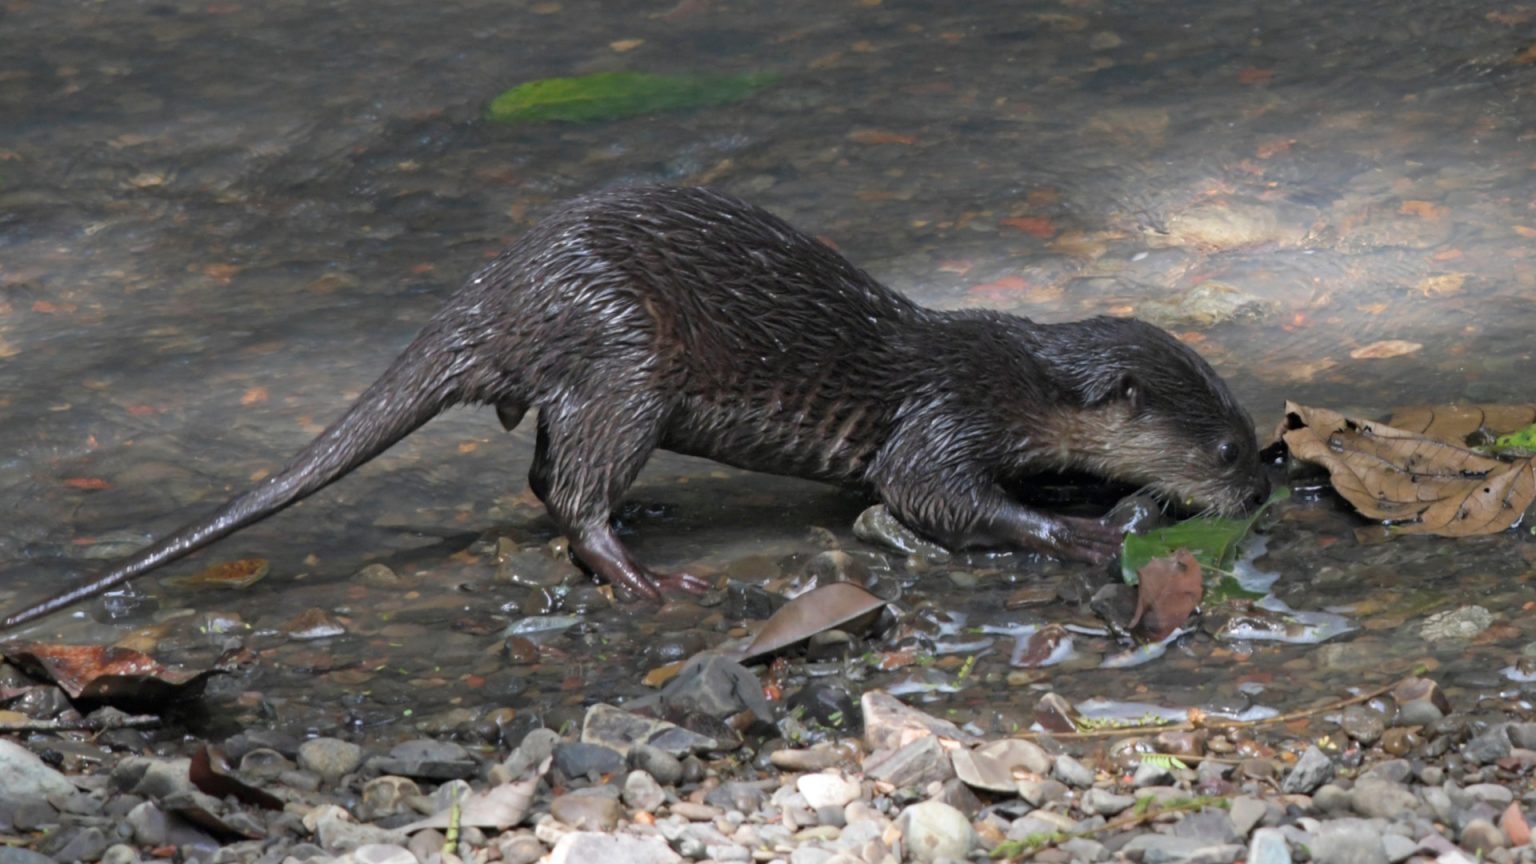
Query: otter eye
(1227, 452)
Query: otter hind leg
(585, 459)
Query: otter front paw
(1080, 539)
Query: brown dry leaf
(226, 574)
(254, 395)
(1423, 485)
(1527, 56)
(116, 676)
(818, 609)
(880, 136)
(1459, 423)
(1168, 592)
(1384, 349)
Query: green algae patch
(611, 95)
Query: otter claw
(1090, 540)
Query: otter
(687, 320)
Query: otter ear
(1129, 390)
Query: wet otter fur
(684, 319)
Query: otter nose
(1259, 495)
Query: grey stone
(810, 855)
(1397, 847)
(663, 766)
(520, 848)
(1211, 826)
(1072, 772)
(382, 853)
(642, 792)
(932, 830)
(1490, 746)
(618, 729)
(1394, 770)
(1419, 712)
(331, 758)
(1331, 799)
(587, 760)
(1522, 735)
(1148, 774)
(727, 852)
(18, 855)
(1038, 793)
(587, 812)
(1268, 846)
(1363, 724)
(264, 763)
(1245, 813)
(1347, 841)
(148, 824)
(429, 841)
(427, 759)
(912, 765)
(120, 853)
(583, 847)
(387, 796)
(1084, 849)
(715, 686)
(77, 844)
(996, 765)
(1381, 798)
(1496, 794)
(1481, 836)
(1105, 802)
(336, 834)
(535, 747)
(27, 776)
(732, 795)
(1165, 848)
(32, 814)
(1456, 625)
(1312, 770)
(955, 794)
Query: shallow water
(218, 221)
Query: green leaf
(1521, 442)
(610, 95)
(1213, 541)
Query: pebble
(642, 792)
(827, 790)
(331, 758)
(382, 853)
(27, 776)
(661, 765)
(1072, 772)
(933, 831)
(585, 847)
(587, 812)
(1347, 841)
(1312, 770)
(1268, 846)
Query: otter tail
(420, 384)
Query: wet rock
(933, 831)
(587, 812)
(642, 792)
(330, 758)
(663, 766)
(915, 765)
(1363, 724)
(381, 576)
(889, 723)
(382, 853)
(264, 764)
(1373, 797)
(714, 686)
(1204, 305)
(1312, 770)
(427, 759)
(828, 790)
(1072, 772)
(586, 760)
(1347, 841)
(27, 776)
(1456, 625)
(620, 730)
(997, 765)
(1268, 846)
(387, 796)
(314, 624)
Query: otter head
(1162, 417)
